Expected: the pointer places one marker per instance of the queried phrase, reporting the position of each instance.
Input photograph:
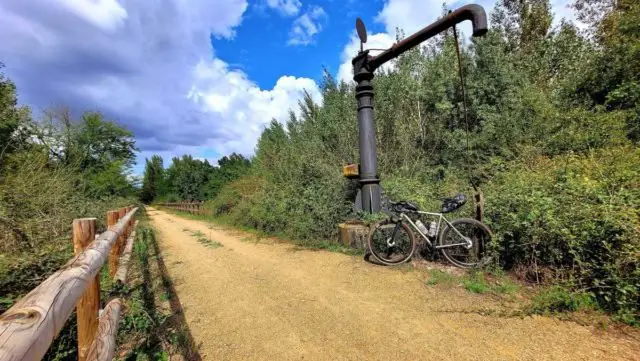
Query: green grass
(209, 243)
(202, 239)
(474, 282)
(198, 234)
(438, 277)
(506, 286)
(558, 299)
(326, 246)
(300, 244)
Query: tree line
(550, 138)
(57, 167)
(189, 179)
(54, 167)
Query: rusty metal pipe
(472, 12)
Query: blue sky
(260, 46)
(200, 77)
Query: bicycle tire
(480, 239)
(376, 251)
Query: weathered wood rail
(29, 327)
(189, 207)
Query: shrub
(560, 299)
(576, 216)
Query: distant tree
(613, 79)
(11, 118)
(102, 150)
(153, 179)
(229, 168)
(186, 177)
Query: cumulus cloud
(412, 15)
(246, 108)
(148, 64)
(307, 26)
(374, 41)
(285, 7)
(105, 14)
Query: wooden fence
(29, 327)
(189, 207)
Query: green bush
(574, 218)
(560, 299)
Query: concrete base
(353, 234)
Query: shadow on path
(187, 344)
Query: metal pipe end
(478, 18)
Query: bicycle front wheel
(464, 243)
(391, 243)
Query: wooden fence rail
(189, 207)
(29, 327)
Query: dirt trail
(257, 301)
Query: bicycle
(462, 241)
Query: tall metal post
(369, 181)
(363, 68)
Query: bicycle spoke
(456, 248)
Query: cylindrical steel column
(369, 182)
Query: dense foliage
(550, 138)
(53, 169)
(190, 179)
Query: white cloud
(307, 26)
(245, 107)
(285, 7)
(374, 41)
(412, 15)
(562, 10)
(152, 69)
(409, 15)
(105, 14)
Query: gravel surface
(262, 300)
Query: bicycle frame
(440, 217)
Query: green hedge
(574, 219)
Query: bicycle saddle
(451, 204)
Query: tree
(153, 179)
(614, 77)
(229, 169)
(102, 150)
(187, 177)
(11, 118)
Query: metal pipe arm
(472, 12)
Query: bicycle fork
(391, 241)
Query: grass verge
(153, 326)
(221, 222)
(474, 282)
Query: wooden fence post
(123, 236)
(131, 222)
(84, 231)
(112, 219)
(103, 349)
(128, 229)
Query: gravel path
(250, 300)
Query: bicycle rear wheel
(457, 252)
(391, 243)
